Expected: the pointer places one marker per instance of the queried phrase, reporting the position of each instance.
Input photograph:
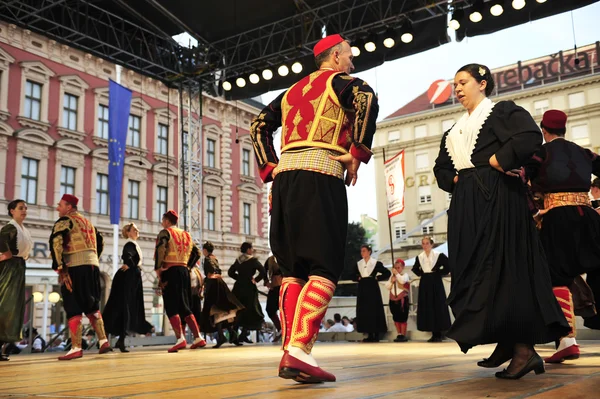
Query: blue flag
(119, 104)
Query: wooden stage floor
(383, 370)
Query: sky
(400, 81)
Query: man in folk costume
(432, 311)
(174, 256)
(76, 245)
(328, 120)
(273, 283)
(569, 227)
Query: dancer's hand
(494, 163)
(124, 268)
(351, 165)
(455, 179)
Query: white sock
(73, 350)
(199, 339)
(180, 340)
(302, 356)
(565, 343)
(102, 342)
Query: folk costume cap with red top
(554, 119)
(70, 199)
(327, 43)
(172, 216)
(400, 261)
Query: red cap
(554, 119)
(399, 261)
(71, 199)
(172, 216)
(327, 43)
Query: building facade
(54, 139)
(565, 81)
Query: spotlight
(370, 43)
(407, 33)
(226, 86)
(541, 1)
(518, 4)
(267, 74)
(496, 10)
(355, 51)
(240, 82)
(389, 41)
(475, 15)
(457, 16)
(38, 297)
(254, 79)
(356, 46)
(296, 67)
(283, 70)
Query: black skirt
(251, 317)
(370, 315)
(273, 300)
(399, 310)
(571, 239)
(501, 288)
(432, 310)
(218, 300)
(124, 312)
(593, 280)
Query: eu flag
(119, 103)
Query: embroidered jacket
(326, 110)
(174, 247)
(75, 242)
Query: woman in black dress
(124, 312)
(244, 271)
(15, 246)
(369, 305)
(220, 305)
(432, 310)
(501, 290)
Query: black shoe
(434, 339)
(497, 358)
(121, 346)
(4, 358)
(401, 338)
(220, 341)
(535, 364)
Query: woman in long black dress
(432, 310)
(124, 312)
(244, 271)
(369, 305)
(220, 305)
(15, 246)
(501, 291)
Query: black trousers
(85, 298)
(177, 291)
(309, 221)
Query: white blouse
(428, 262)
(366, 268)
(24, 241)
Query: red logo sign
(439, 92)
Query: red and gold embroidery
(179, 247)
(565, 300)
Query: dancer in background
(399, 287)
(273, 283)
(15, 246)
(124, 311)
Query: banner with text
(394, 178)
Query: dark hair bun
(480, 73)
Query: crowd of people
(515, 262)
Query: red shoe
(181, 345)
(197, 345)
(105, 348)
(70, 356)
(297, 370)
(569, 353)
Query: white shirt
(366, 268)
(349, 328)
(428, 262)
(337, 327)
(401, 279)
(24, 241)
(462, 138)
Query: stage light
(407, 33)
(457, 16)
(240, 82)
(267, 74)
(475, 15)
(370, 45)
(356, 46)
(54, 297)
(355, 51)
(226, 86)
(389, 41)
(254, 79)
(496, 10)
(541, 1)
(518, 4)
(296, 67)
(283, 70)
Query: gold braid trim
(362, 104)
(76, 339)
(555, 200)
